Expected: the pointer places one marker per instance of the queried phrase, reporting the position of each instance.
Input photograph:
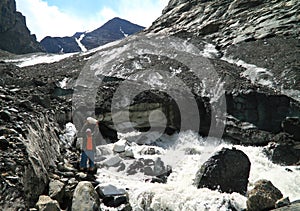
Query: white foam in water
(179, 193)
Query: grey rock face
(14, 34)
(228, 171)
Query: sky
(65, 17)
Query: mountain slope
(14, 34)
(114, 29)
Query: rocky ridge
(113, 30)
(14, 34)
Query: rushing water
(179, 193)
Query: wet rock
(282, 202)
(45, 203)
(294, 206)
(120, 146)
(263, 196)
(156, 169)
(113, 161)
(56, 190)
(85, 197)
(284, 150)
(112, 196)
(291, 125)
(228, 171)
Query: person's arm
(83, 129)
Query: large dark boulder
(14, 34)
(263, 196)
(228, 171)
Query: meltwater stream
(179, 193)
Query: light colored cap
(88, 130)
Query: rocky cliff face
(113, 30)
(14, 34)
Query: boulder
(56, 190)
(294, 206)
(113, 161)
(85, 197)
(263, 196)
(228, 171)
(156, 169)
(284, 150)
(120, 146)
(45, 203)
(291, 125)
(112, 196)
(282, 202)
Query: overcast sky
(65, 17)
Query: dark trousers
(87, 155)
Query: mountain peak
(114, 29)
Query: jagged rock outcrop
(114, 29)
(14, 34)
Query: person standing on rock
(88, 151)
(88, 145)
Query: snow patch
(210, 51)
(256, 75)
(125, 35)
(33, 59)
(81, 46)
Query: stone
(263, 196)
(85, 197)
(113, 161)
(282, 202)
(120, 146)
(284, 150)
(112, 196)
(4, 144)
(294, 206)
(109, 190)
(45, 203)
(56, 190)
(5, 116)
(291, 125)
(228, 171)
